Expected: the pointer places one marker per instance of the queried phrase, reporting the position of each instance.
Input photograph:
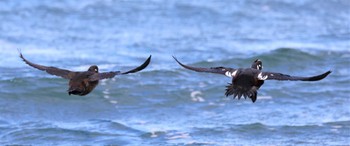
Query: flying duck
(246, 81)
(83, 82)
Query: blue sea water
(166, 104)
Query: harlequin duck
(246, 81)
(82, 83)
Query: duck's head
(257, 64)
(93, 68)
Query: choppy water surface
(165, 104)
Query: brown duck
(82, 83)
(246, 81)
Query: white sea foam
(196, 96)
(264, 97)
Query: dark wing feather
(105, 75)
(280, 76)
(217, 70)
(51, 70)
(141, 67)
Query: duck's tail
(238, 92)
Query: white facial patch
(96, 69)
(261, 77)
(231, 74)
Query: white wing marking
(261, 77)
(231, 74)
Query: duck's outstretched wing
(49, 69)
(141, 67)
(218, 70)
(105, 75)
(280, 76)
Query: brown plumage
(82, 83)
(247, 81)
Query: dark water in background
(165, 104)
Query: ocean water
(166, 104)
